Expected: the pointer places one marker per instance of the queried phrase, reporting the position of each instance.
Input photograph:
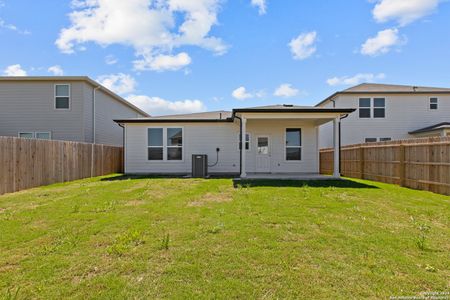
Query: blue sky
(177, 56)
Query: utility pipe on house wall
(94, 136)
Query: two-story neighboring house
(62, 108)
(388, 112)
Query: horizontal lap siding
(198, 139)
(276, 129)
(29, 107)
(404, 113)
(205, 138)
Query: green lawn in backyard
(144, 238)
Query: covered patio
(285, 141)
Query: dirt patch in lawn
(212, 197)
(135, 203)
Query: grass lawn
(116, 237)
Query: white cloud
(383, 42)
(111, 60)
(119, 83)
(303, 46)
(152, 28)
(14, 70)
(163, 62)
(241, 93)
(56, 70)
(157, 106)
(357, 79)
(5, 25)
(403, 11)
(286, 90)
(261, 5)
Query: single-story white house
(278, 140)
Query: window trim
(249, 141)
(300, 147)
(25, 132)
(437, 104)
(365, 107)
(366, 142)
(49, 135)
(54, 97)
(379, 107)
(372, 108)
(164, 145)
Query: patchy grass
(144, 238)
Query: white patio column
(243, 152)
(336, 147)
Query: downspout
(94, 137)
(340, 136)
(242, 144)
(123, 147)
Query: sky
(185, 56)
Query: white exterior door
(263, 154)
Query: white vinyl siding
(204, 138)
(404, 113)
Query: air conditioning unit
(199, 165)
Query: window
(43, 135)
(364, 107)
(293, 144)
(385, 139)
(433, 103)
(263, 146)
(247, 141)
(62, 96)
(379, 107)
(155, 144)
(174, 143)
(165, 143)
(371, 140)
(26, 135)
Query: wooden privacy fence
(416, 163)
(27, 163)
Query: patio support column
(336, 147)
(243, 152)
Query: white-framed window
(247, 141)
(174, 143)
(370, 140)
(62, 96)
(364, 107)
(43, 135)
(434, 103)
(379, 107)
(155, 144)
(293, 144)
(26, 135)
(372, 108)
(165, 143)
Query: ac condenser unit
(199, 165)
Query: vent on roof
(288, 105)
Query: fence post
(402, 164)
(361, 161)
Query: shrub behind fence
(27, 163)
(416, 163)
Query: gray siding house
(62, 108)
